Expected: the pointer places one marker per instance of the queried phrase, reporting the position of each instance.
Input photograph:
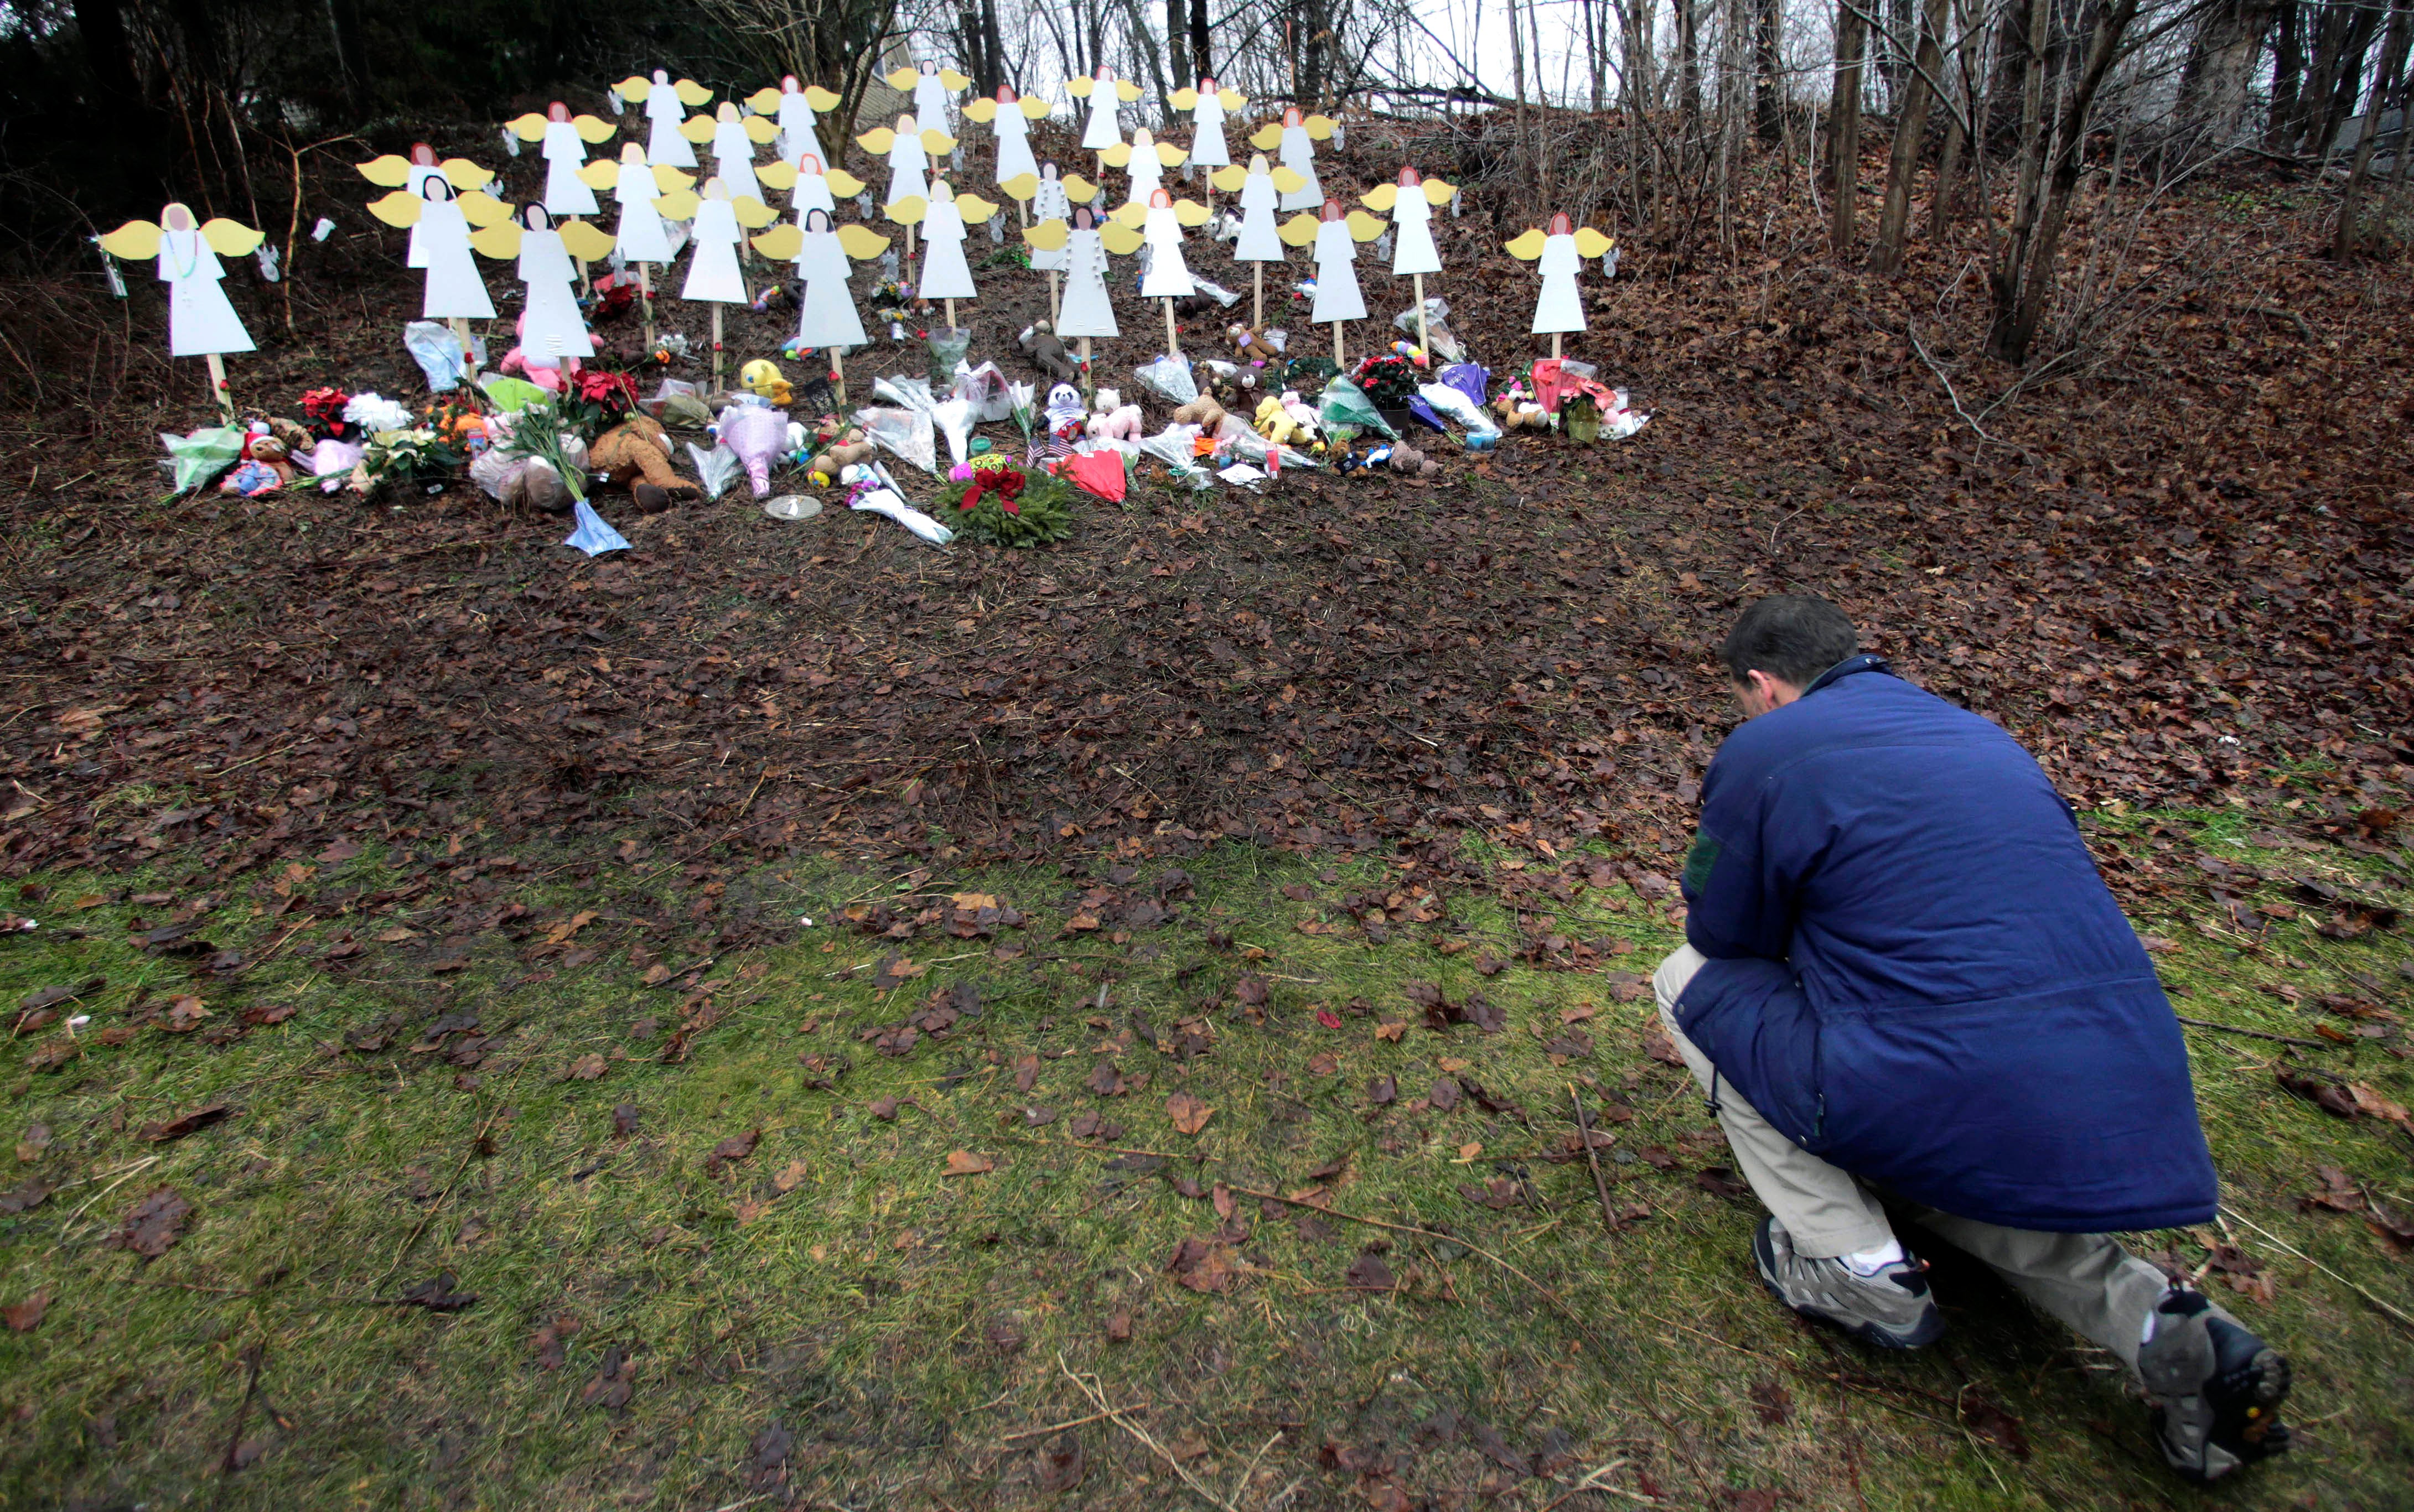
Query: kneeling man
(1904, 977)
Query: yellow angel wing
(1528, 247)
(1232, 99)
(902, 79)
(400, 208)
(479, 208)
(593, 128)
(1118, 156)
(635, 88)
(698, 128)
(667, 178)
(586, 241)
(1267, 137)
(1288, 181)
(983, 110)
(937, 142)
(692, 94)
(1079, 190)
(778, 175)
(879, 141)
(1190, 212)
(1439, 193)
(1300, 231)
(908, 211)
(134, 241)
(764, 101)
(1169, 155)
(231, 238)
(678, 204)
(1033, 108)
(392, 171)
(1381, 196)
(973, 209)
(780, 244)
(1048, 236)
(1184, 100)
(1130, 212)
(465, 176)
(861, 243)
(528, 127)
(1080, 88)
(761, 128)
(1590, 243)
(1119, 238)
(1230, 179)
(1363, 227)
(1319, 126)
(1127, 92)
(953, 80)
(1022, 186)
(601, 173)
(843, 184)
(500, 241)
(752, 213)
(820, 98)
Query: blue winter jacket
(1916, 975)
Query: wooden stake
(1172, 341)
(226, 401)
(1338, 361)
(1086, 390)
(1258, 310)
(1424, 342)
(951, 313)
(1554, 343)
(646, 301)
(468, 356)
(716, 344)
(838, 376)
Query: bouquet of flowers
(538, 432)
(595, 400)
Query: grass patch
(822, 1314)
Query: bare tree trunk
(2334, 40)
(2388, 84)
(1844, 124)
(1517, 78)
(2023, 277)
(1910, 127)
(2288, 72)
(2220, 68)
(1688, 59)
(1145, 40)
(1177, 44)
(2348, 79)
(1945, 204)
(1201, 43)
(1769, 88)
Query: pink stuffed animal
(758, 434)
(1115, 420)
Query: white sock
(1870, 1262)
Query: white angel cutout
(1412, 202)
(666, 107)
(1147, 160)
(552, 332)
(811, 187)
(909, 150)
(713, 276)
(734, 138)
(1260, 242)
(1169, 276)
(1336, 237)
(408, 173)
(1560, 256)
(1208, 106)
(566, 139)
(1010, 118)
(643, 193)
(1103, 92)
(826, 312)
(1296, 138)
(1086, 241)
(934, 90)
(202, 321)
(794, 106)
(439, 219)
(946, 275)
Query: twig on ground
(1592, 1481)
(1091, 1388)
(2252, 1033)
(2389, 1309)
(1913, 331)
(1073, 1422)
(1593, 1158)
(252, 1357)
(437, 1205)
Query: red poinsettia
(325, 407)
(615, 394)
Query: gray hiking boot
(2217, 1389)
(1891, 1309)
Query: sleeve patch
(1699, 862)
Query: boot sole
(2243, 1441)
(1930, 1330)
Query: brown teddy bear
(636, 455)
(848, 448)
(1204, 412)
(1409, 462)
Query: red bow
(1003, 482)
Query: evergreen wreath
(1043, 512)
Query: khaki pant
(2088, 1281)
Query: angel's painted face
(906, 126)
(1408, 179)
(1085, 218)
(1105, 74)
(1006, 94)
(727, 113)
(1048, 173)
(1257, 163)
(1160, 199)
(557, 111)
(1562, 226)
(1332, 211)
(662, 76)
(939, 190)
(788, 84)
(809, 165)
(1142, 140)
(533, 217)
(929, 71)
(436, 187)
(1207, 87)
(422, 154)
(1291, 117)
(176, 218)
(819, 220)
